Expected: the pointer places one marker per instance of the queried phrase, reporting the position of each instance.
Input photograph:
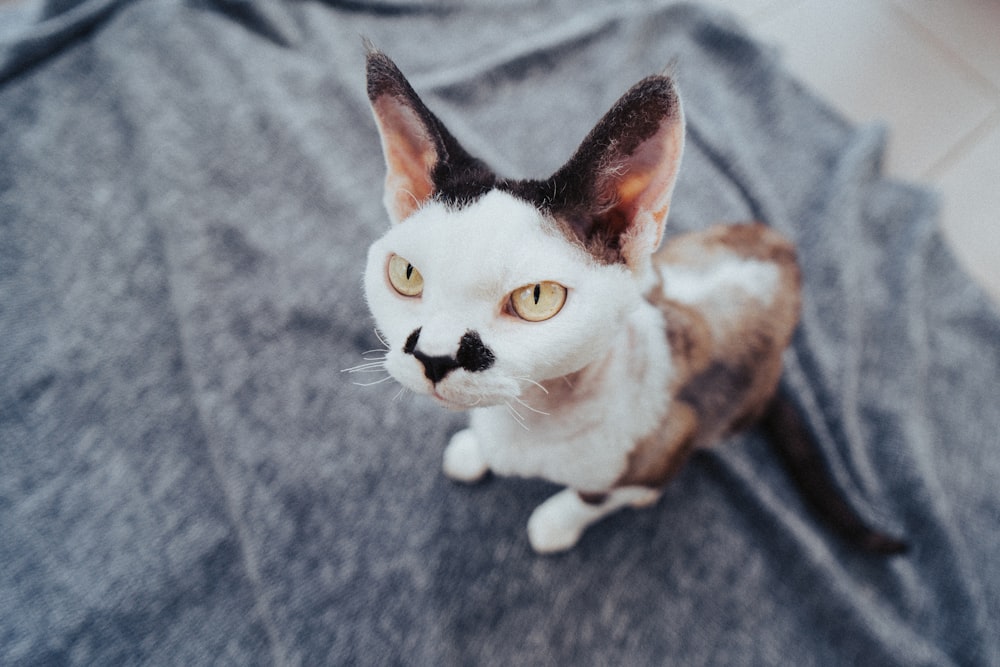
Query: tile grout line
(919, 30)
(967, 141)
(962, 146)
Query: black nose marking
(411, 342)
(473, 356)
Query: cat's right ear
(411, 146)
(413, 140)
(623, 174)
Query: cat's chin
(459, 401)
(451, 404)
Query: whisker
(365, 368)
(535, 410)
(530, 381)
(516, 416)
(374, 382)
(472, 404)
(399, 393)
(381, 338)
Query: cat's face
(484, 287)
(496, 287)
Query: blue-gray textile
(187, 191)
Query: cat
(588, 356)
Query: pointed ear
(422, 158)
(409, 144)
(622, 176)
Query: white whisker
(399, 393)
(516, 416)
(373, 383)
(530, 381)
(535, 410)
(369, 367)
(374, 363)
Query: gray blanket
(187, 190)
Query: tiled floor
(931, 69)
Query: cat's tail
(793, 440)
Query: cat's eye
(404, 278)
(538, 302)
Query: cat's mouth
(451, 403)
(460, 390)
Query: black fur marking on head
(581, 196)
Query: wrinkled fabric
(187, 191)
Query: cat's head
(484, 286)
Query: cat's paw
(463, 461)
(558, 523)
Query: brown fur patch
(657, 457)
(727, 364)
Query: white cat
(588, 358)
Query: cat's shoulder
(747, 241)
(696, 268)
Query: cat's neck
(632, 376)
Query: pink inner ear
(410, 157)
(642, 186)
(648, 179)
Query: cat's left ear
(623, 174)
(420, 153)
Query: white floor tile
(968, 28)
(971, 215)
(861, 58)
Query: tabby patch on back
(588, 357)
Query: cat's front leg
(463, 459)
(558, 523)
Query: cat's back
(739, 277)
(730, 299)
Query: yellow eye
(538, 302)
(404, 278)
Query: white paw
(462, 459)
(558, 523)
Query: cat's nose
(435, 368)
(472, 355)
